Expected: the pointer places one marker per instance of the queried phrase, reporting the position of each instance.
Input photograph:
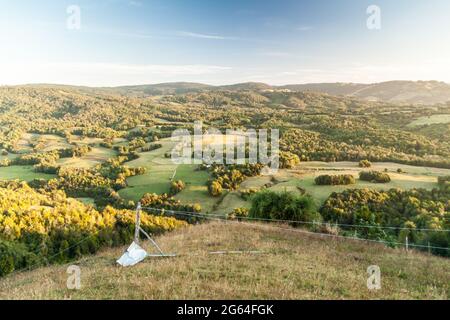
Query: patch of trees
(334, 180)
(37, 228)
(317, 146)
(365, 164)
(167, 202)
(151, 147)
(283, 206)
(231, 176)
(412, 210)
(374, 176)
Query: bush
(374, 176)
(176, 187)
(330, 180)
(288, 160)
(215, 188)
(238, 213)
(283, 206)
(5, 163)
(365, 164)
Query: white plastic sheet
(132, 256)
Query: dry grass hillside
(290, 265)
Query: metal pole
(138, 223)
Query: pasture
(434, 119)
(25, 173)
(303, 177)
(97, 156)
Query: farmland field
(97, 156)
(434, 119)
(25, 173)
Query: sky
(129, 42)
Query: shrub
(283, 206)
(345, 179)
(238, 213)
(5, 163)
(288, 160)
(176, 187)
(374, 176)
(215, 188)
(365, 164)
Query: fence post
(406, 243)
(138, 223)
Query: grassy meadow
(288, 265)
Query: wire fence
(222, 218)
(303, 222)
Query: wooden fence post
(138, 223)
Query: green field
(434, 119)
(159, 172)
(158, 177)
(25, 173)
(303, 176)
(97, 156)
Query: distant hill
(415, 92)
(163, 88)
(423, 92)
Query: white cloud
(276, 54)
(135, 3)
(203, 36)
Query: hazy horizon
(214, 85)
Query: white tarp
(132, 256)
